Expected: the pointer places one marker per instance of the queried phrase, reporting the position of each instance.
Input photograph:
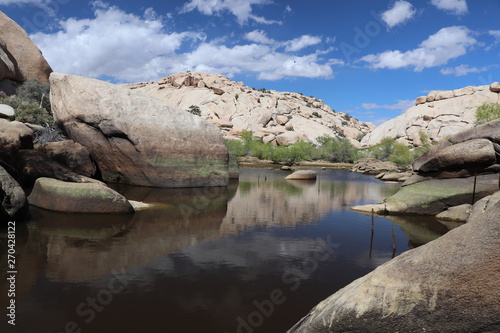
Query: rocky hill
(271, 115)
(439, 114)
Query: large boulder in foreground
(78, 198)
(434, 196)
(448, 285)
(12, 198)
(20, 59)
(136, 139)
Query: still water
(253, 257)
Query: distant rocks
(302, 175)
(20, 59)
(437, 115)
(232, 106)
(136, 139)
(70, 197)
(373, 166)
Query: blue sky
(370, 58)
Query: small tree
(194, 109)
(401, 155)
(487, 112)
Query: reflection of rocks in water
(29, 261)
(151, 234)
(419, 229)
(271, 201)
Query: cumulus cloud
(463, 70)
(401, 105)
(242, 9)
(302, 42)
(457, 7)
(259, 36)
(127, 47)
(446, 44)
(401, 12)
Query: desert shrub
(260, 149)
(487, 112)
(48, 134)
(337, 150)
(194, 109)
(401, 155)
(235, 148)
(36, 92)
(33, 114)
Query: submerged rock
(83, 198)
(448, 285)
(136, 139)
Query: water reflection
(201, 258)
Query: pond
(253, 257)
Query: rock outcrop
(373, 166)
(71, 154)
(81, 198)
(448, 285)
(138, 140)
(14, 136)
(20, 59)
(474, 151)
(13, 203)
(438, 115)
(234, 107)
(302, 175)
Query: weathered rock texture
(136, 139)
(373, 166)
(87, 198)
(302, 175)
(71, 154)
(32, 164)
(448, 285)
(20, 59)
(473, 151)
(12, 198)
(438, 115)
(234, 107)
(14, 136)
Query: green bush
(401, 155)
(33, 114)
(337, 150)
(36, 92)
(235, 147)
(487, 112)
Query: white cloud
(446, 44)
(259, 36)
(22, 2)
(298, 44)
(401, 12)
(495, 33)
(242, 9)
(463, 70)
(401, 105)
(128, 48)
(457, 7)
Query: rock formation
(89, 198)
(438, 115)
(13, 204)
(138, 140)
(445, 174)
(447, 285)
(71, 154)
(234, 107)
(20, 59)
